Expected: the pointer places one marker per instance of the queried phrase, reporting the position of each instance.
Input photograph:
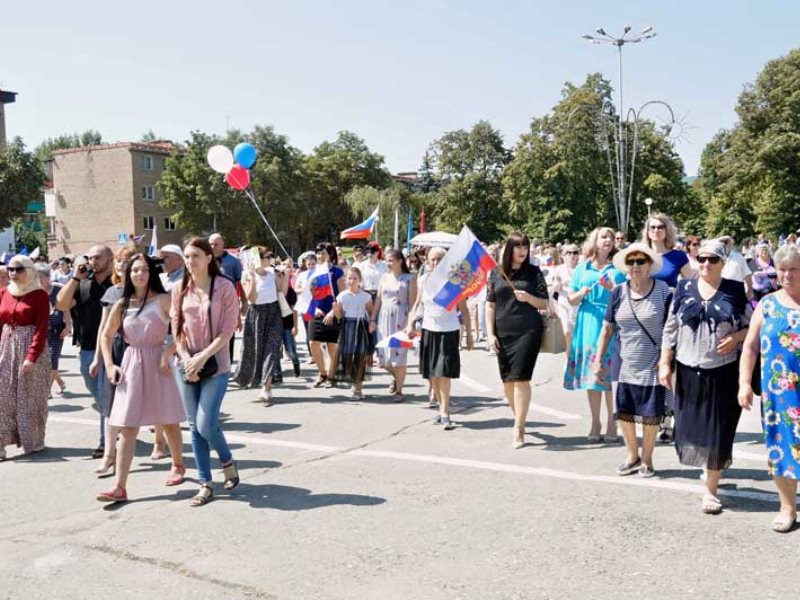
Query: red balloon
(238, 177)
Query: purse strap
(633, 312)
(210, 298)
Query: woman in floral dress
(776, 321)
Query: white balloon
(220, 158)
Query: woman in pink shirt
(205, 312)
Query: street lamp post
(648, 202)
(624, 181)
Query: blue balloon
(245, 154)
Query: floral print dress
(780, 400)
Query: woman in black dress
(515, 326)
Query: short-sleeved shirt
(736, 268)
(230, 266)
(326, 304)
(671, 264)
(371, 274)
(89, 310)
(511, 316)
(640, 341)
(587, 275)
(436, 317)
(354, 305)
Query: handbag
(286, 310)
(210, 367)
(553, 341)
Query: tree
(149, 136)
(750, 174)
(468, 168)
(21, 181)
(90, 137)
(362, 200)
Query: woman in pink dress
(146, 390)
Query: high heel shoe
(177, 476)
(107, 467)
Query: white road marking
(477, 464)
(475, 385)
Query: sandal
(231, 474)
(158, 453)
(397, 398)
(783, 523)
(107, 467)
(665, 435)
(433, 402)
(393, 388)
(203, 496)
(711, 504)
(320, 381)
(118, 494)
(98, 452)
(177, 476)
(627, 468)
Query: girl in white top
(353, 307)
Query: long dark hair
(129, 291)
(213, 271)
(333, 255)
(515, 240)
(398, 256)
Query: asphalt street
(370, 499)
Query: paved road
(370, 500)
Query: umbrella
(434, 238)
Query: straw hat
(638, 248)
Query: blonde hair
(590, 245)
(671, 230)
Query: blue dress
(671, 264)
(588, 323)
(780, 399)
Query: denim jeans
(96, 387)
(290, 345)
(202, 401)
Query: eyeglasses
(620, 239)
(15, 269)
(657, 227)
(639, 262)
(714, 260)
(568, 252)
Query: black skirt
(706, 415)
(518, 354)
(640, 403)
(261, 345)
(319, 332)
(439, 355)
(355, 351)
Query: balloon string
(264, 218)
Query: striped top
(640, 346)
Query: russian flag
(462, 272)
(316, 293)
(363, 230)
(399, 340)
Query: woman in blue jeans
(205, 312)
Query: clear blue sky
(397, 73)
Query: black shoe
(277, 378)
(99, 452)
(297, 369)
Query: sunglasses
(15, 269)
(568, 252)
(714, 260)
(657, 227)
(620, 239)
(639, 262)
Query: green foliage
(750, 175)
(90, 137)
(21, 181)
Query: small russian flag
(317, 292)
(399, 340)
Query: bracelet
(73, 278)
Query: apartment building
(6, 97)
(107, 194)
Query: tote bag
(553, 341)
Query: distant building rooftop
(160, 146)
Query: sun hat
(172, 249)
(638, 248)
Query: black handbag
(211, 367)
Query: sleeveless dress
(393, 317)
(780, 400)
(145, 395)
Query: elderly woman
(515, 295)
(590, 290)
(775, 328)
(637, 311)
(440, 360)
(24, 358)
(764, 273)
(560, 277)
(707, 323)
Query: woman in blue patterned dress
(776, 322)
(590, 290)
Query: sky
(399, 74)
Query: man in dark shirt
(231, 267)
(83, 293)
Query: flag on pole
(153, 241)
(410, 232)
(422, 221)
(363, 230)
(35, 254)
(461, 273)
(396, 229)
(399, 340)
(316, 293)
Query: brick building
(100, 193)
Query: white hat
(172, 249)
(638, 248)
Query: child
(353, 307)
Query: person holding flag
(590, 290)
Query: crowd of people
(676, 334)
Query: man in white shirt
(736, 266)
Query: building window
(148, 192)
(147, 163)
(169, 224)
(148, 223)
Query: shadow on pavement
(506, 424)
(64, 408)
(288, 498)
(231, 426)
(727, 475)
